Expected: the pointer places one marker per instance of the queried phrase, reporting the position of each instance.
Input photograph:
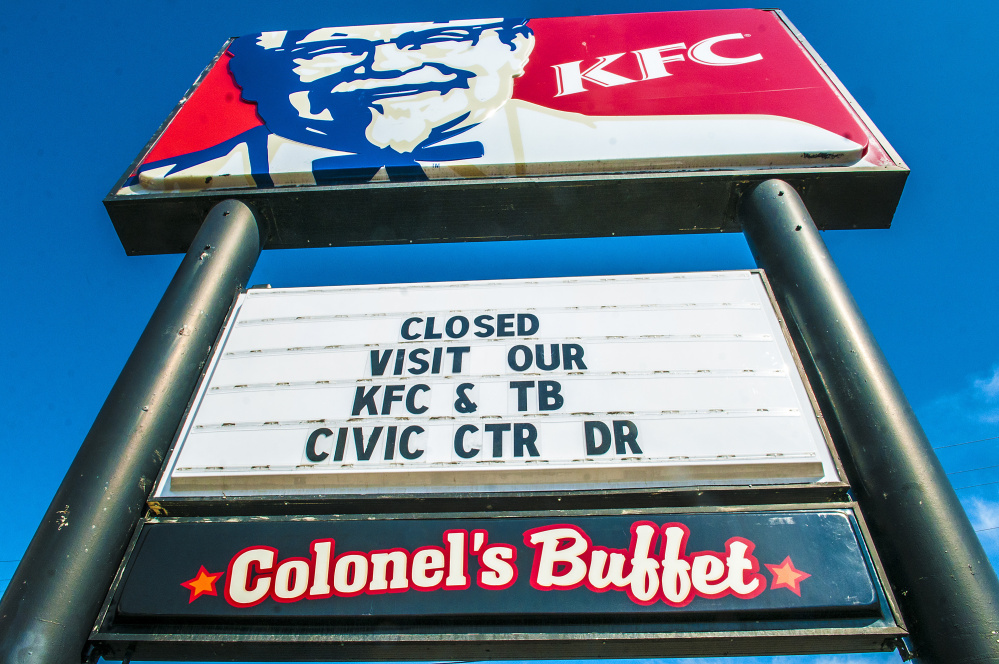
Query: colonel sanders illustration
(354, 100)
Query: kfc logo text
(570, 76)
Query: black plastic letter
(459, 442)
(310, 446)
(592, 446)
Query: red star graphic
(202, 584)
(787, 576)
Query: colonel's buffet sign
(632, 381)
(744, 564)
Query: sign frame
(443, 500)
(569, 206)
(448, 639)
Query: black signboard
(746, 572)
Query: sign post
(940, 573)
(48, 610)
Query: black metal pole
(947, 590)
(49, 608)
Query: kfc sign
(569, 77)
(506, 97)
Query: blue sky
(87, 85)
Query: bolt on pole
(50, 605)
(948, 591)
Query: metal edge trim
(113, 194)
(854, 105)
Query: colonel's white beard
(403, 123)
